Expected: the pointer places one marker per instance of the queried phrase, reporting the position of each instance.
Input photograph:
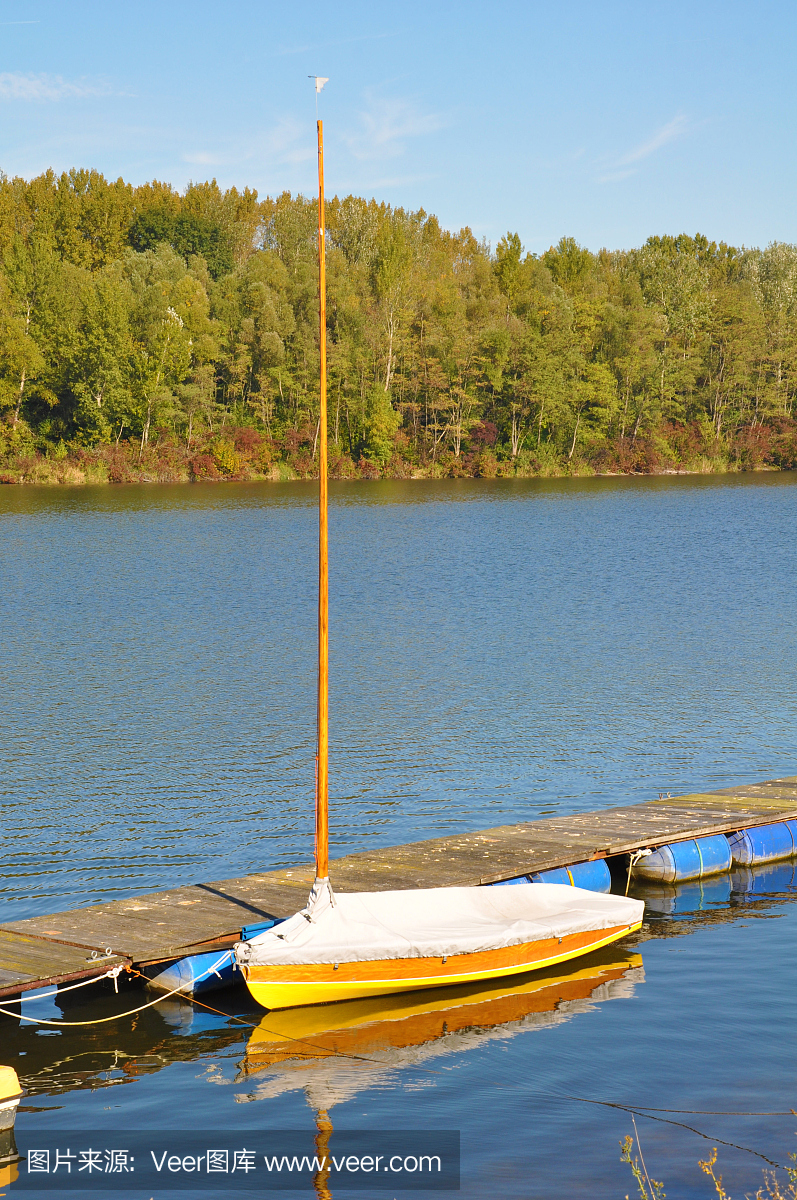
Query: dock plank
(27, 961)
(170, 924)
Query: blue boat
(207, 972)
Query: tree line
(150, 333)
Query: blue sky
(604, 121)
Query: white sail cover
(432, 922)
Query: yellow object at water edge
(9, 1084)
(10, 1094)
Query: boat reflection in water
(332, 1051)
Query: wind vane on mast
(320, 80)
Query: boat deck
(162, 926)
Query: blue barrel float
(593, 876)
(763, 843)
(693, 859)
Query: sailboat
(351, 945)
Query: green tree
(163, 295)
(507, 268)
(773, 275)
(380, 425)
(98, 370)
(21, 360)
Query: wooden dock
(163, 926)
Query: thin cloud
(202, 159)
(627, 165)
(616, 176)
(285, 51)
(15, 86)
(397, 181)
(675, 128)
(288, 142)
(387, 125)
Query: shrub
(226, 457)
(368, 469)
(202, 466)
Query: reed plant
(773, 1187)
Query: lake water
(500, 650)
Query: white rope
(116, 1016)
(112, 973)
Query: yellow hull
(324, 983)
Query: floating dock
(161, 927)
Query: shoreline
(80, 479)
(169, 463)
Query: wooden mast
(322, 746)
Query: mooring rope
(632, 862)
(114, 972)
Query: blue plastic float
(764, 843)
(593, 876)
(556, 875)
(693, 859)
